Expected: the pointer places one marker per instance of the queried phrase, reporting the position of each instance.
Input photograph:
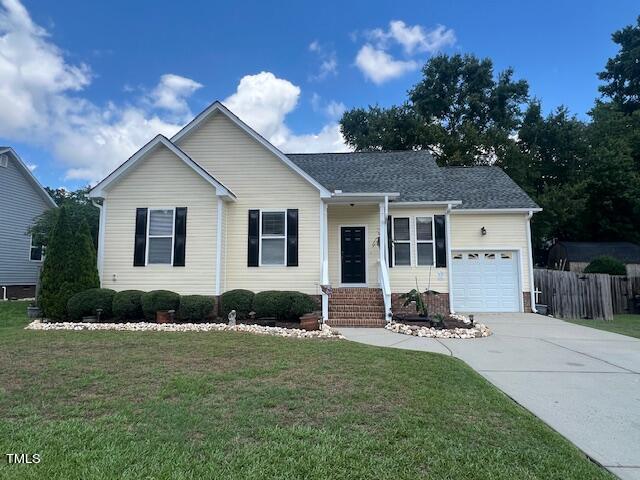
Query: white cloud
(328, 61)
(378, 66)
(172, 93)
(41, 95)
(264, 100)
(32, 166)
(332, 109)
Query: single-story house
(22, 200)
(575, 256)
(217, 207)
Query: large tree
(460, 111)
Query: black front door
(352, 241)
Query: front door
(352, 250)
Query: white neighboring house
(217, 207)
(22, 200)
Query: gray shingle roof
(416, 176)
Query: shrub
(606, 264)
(195, 308)
(283, 305)
(239, 300)
(158, 300)
(86, 303)
(69, 266)
(127, 305)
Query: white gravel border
(326, 332)
(478, 330)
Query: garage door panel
(485, 281)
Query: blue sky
(84, 84)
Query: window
(505, 256)
(160, 237)
(401, 241)
(473, 256)
(273, 235)
(489, 256)
(425, 247)
(4, 160)
(36, 251)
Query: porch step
(356, 307)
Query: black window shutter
(292, 237)
(254, 242)
(441, 241)
(180, 240)
(140, 243)
(389, 241)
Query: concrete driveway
(583, 382)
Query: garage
(485, 281)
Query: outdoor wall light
(483, 231)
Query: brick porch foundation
(436, 303)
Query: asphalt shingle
(416, 176)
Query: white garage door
(485, 281)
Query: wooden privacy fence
(575, 295)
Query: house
(575, 256)
(22, 199)
(217, 207)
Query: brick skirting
(438, 303)
(19, 291)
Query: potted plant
(310, 321)
(165, 316)
(33, 311)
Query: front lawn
(231, 405)
(622, 324)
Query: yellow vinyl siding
(348, 216)
(504, 231)
(161, 180)
(260, 180)
(403, 278)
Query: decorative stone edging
(477, 331)
(326, 332)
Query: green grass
(622, 324)
(230, 405)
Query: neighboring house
(22, 199)
(575, 256)
(217, 207)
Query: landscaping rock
(478, 330)
(326, 332)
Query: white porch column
(219, 220)
(324, 258)
(385, 285)
(447, 220)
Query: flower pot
(165, 316)
(309, 322)
(33, 312)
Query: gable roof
(99, 190)
(417, 177)
(218, 107)
(626, 252)
(30, 176)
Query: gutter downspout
(324, 262)
(4, 294)
(100, 256)
(531, 280)
(219, 215)
(449, 265)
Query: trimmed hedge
(283, 305)
(196, 308)
(85, 303)
(239, 300)
(605, 264)
(127, 305)
(158, 300)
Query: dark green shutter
(140, 242)
(253, 252)
(389, 241)
(292, 237)
(180, 240)
(441, 240)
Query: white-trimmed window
(401, 241)
(160, 236)
(273, 237)
(425, 246)
(36, 251)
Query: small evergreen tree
(69, 266)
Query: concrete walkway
(583, 382)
